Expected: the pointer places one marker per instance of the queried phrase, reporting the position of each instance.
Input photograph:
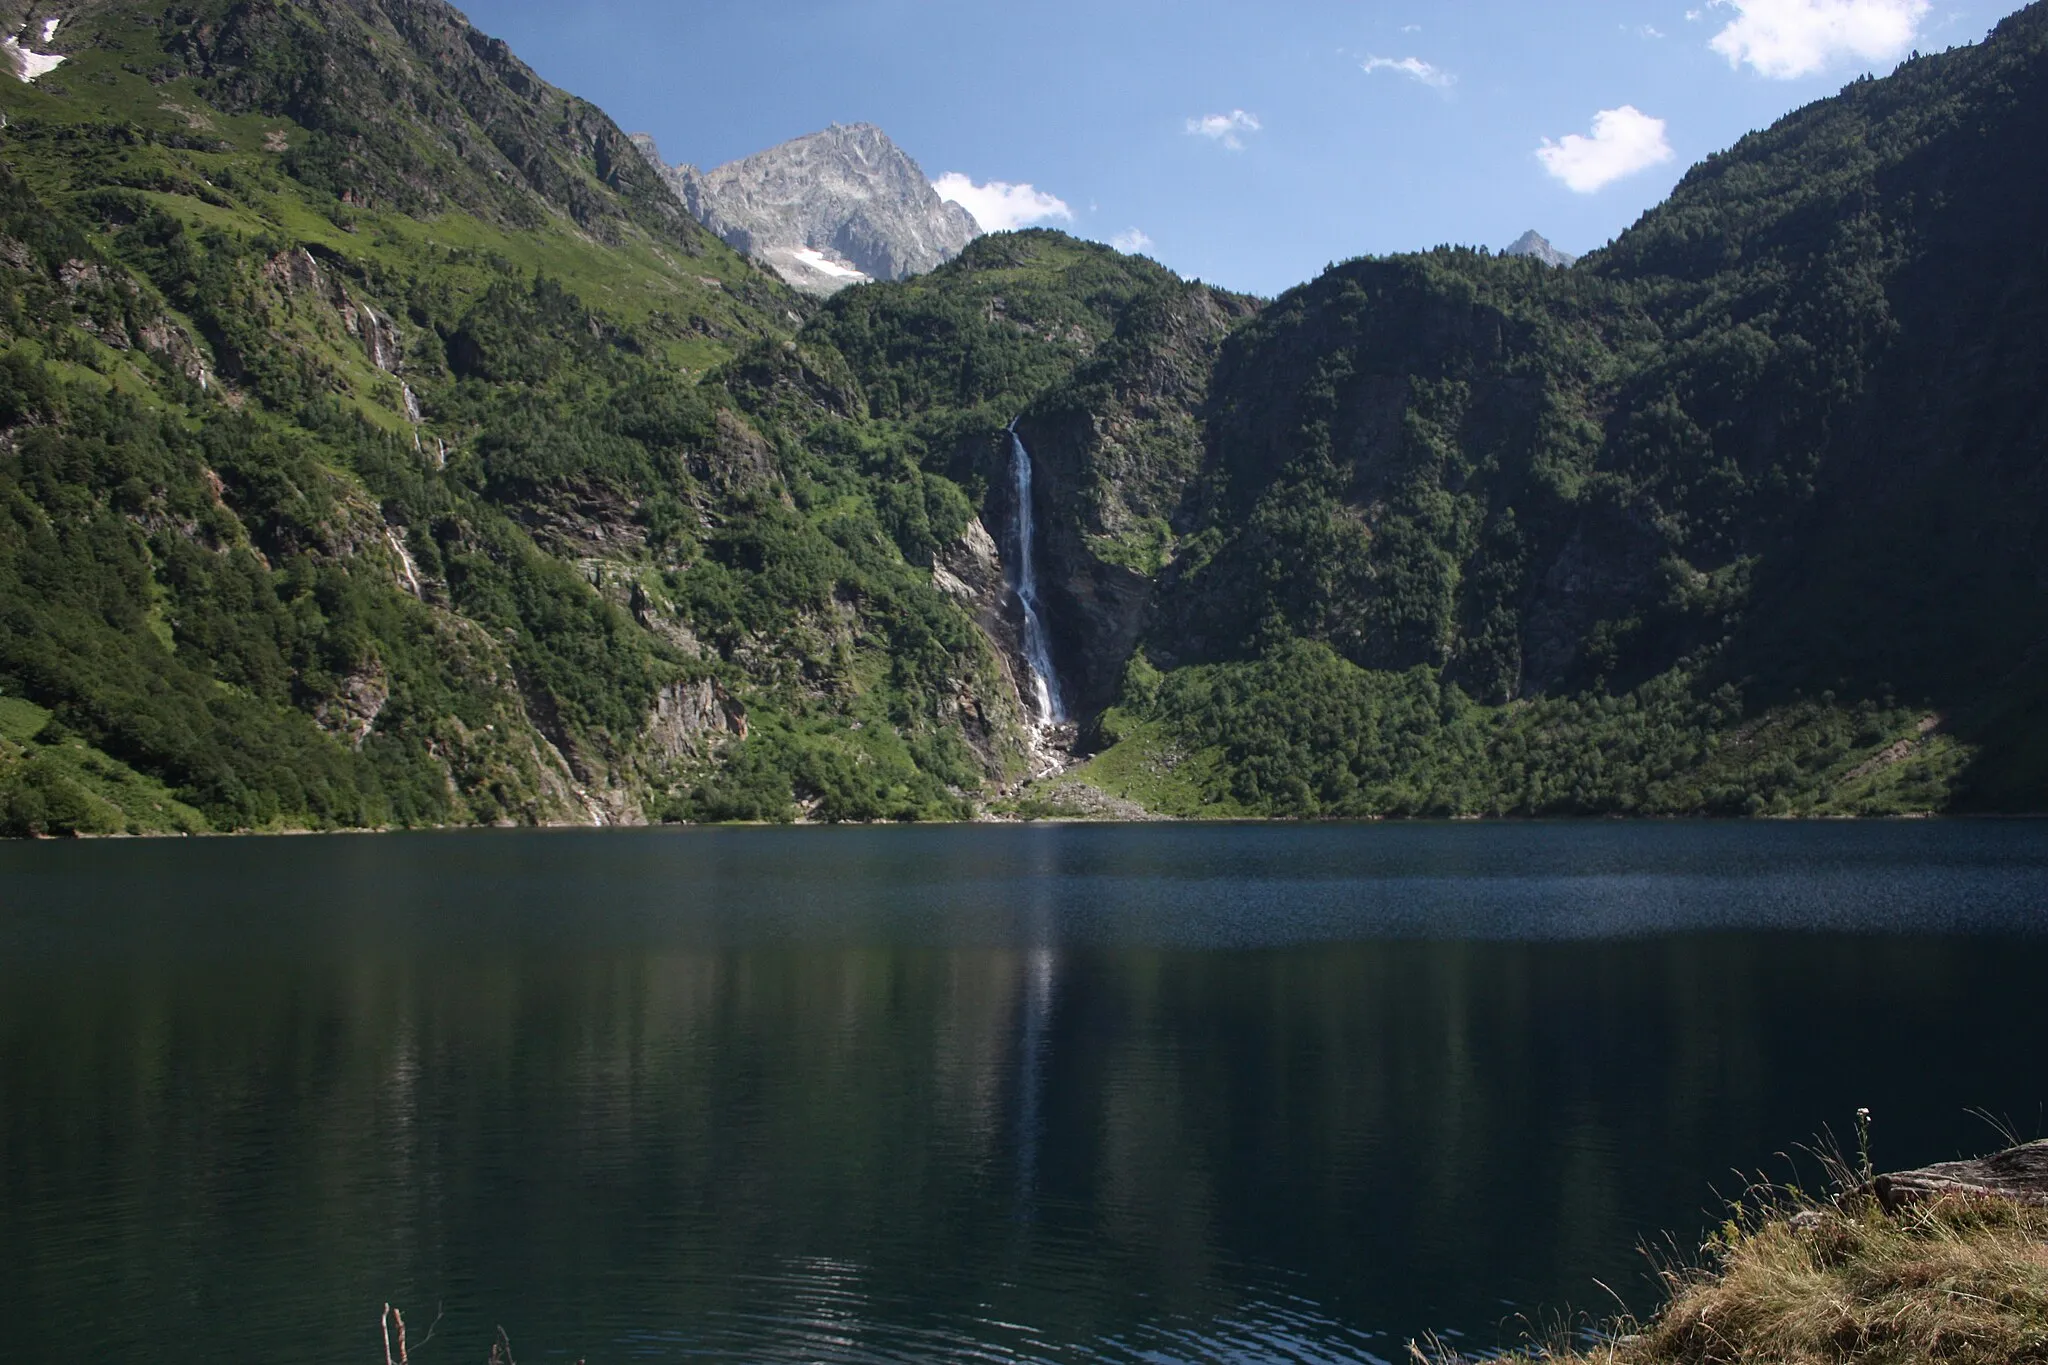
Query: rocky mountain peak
(1534, 243)
(827, 210)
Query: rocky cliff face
(1105, 360)
(1117, 451)
(686, 181)
(829, 210)
(970, 570)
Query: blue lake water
(1204, 1093)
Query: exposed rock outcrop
(971, 570)
(174, 348)
(296, 274)
(352, 712)
(685, 180)
(2019, 1174)
(690, 720)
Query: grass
(1144, 548)
(102, 795)
(1146, 767)
(21, 720)
(108, 796)
(1843, 1282)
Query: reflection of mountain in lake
(764, 1096)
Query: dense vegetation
(381, 444)
(328, 500)
(1738, 514)
(1303, 733)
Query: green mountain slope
(371, 457)
(1103, 361)
(382, 444)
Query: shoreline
(1065, 822)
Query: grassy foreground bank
(1961, 1280)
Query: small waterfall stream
(1023, 571)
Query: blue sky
(1249, 143)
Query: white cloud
(1000, 206)
(1435, 77)
(1624, 141)
(1785, 39)
(1228, 129)
(1132, 242)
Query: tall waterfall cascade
(1023, 571)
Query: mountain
(1742, 513)
(1535, 245)
(373, 452)
(1738, 515)
(832, 209)
(385, 442)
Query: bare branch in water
(440, 1311)
(501, 1349)
(392, 1317)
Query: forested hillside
(372, 456)
(381, 443)
(1744, 513)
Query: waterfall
(1041, 969)
(1045, 682)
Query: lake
(1162, 1093)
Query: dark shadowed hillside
(1777, 452)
